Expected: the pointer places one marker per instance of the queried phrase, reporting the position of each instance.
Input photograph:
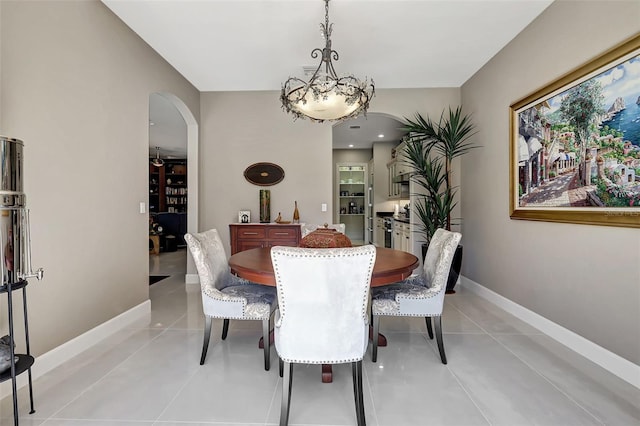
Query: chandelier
(326, 97)
(158, 162)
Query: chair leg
(354, 375)
(266, 344)
(429, 330)
(286, 394)
(438, 326)
(225, 328)
(280, 366)
(356, 368)
(374, 338)
(207, 335)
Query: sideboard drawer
(248, 236)
(251, 233)
(281, 234)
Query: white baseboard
(615, 364)
(57, 356)
(192, 279)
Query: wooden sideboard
(245, 236)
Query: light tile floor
(500, 372)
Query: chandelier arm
(331, 71)
(314, 76)
(316, 52)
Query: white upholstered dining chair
(421, 295)
(322, 316)
(226, 296)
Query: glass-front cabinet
(352, 200)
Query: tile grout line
(275, 392)
(373, 405)
(545, 378)
(457, 379)
(195, 371)
(95, 383)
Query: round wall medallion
(264, 174)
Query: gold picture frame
(575, 144)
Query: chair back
(210, 259)
(437, 261)
(308, 228)
(323, 297)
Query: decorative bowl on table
(325, 238)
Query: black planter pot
(454, 271)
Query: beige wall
(75, 83)
(242, 128)
(75, 88)
(584, 278)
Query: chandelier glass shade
(326, 96)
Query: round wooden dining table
(390, 266)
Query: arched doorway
(366, 141)
(186, 130)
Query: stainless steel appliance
(388, 231)
(15, 252)
(15, 242)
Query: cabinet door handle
(250, 233)
(282, 233)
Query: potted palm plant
(430, 151)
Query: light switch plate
(323, 207)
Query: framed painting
(575, 144)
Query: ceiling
(238, 45)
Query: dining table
(390, 266)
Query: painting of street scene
(581, 147)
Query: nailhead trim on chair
(324, 252)
(388, 296)
(422, 296)
(226, 296)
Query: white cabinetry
(351, 200)
(401, 236)
(398, 174)
(398, 236)
(406, 237)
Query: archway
(367, 140)
(191, 276)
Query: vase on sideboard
(265, 206)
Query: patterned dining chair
(421, 295)
(322, 316)
(225, 296)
